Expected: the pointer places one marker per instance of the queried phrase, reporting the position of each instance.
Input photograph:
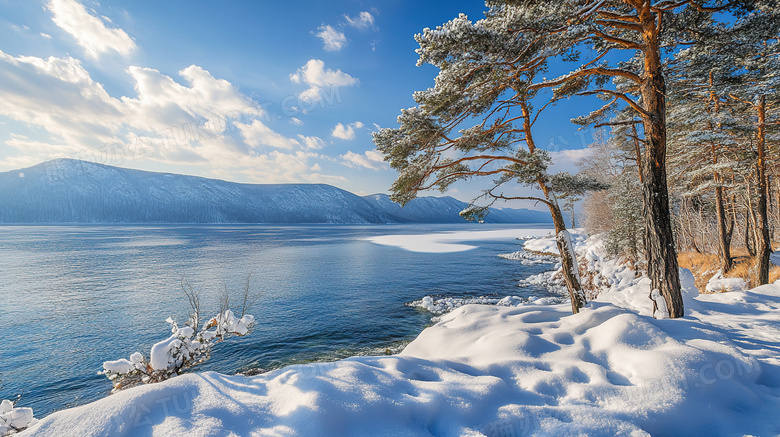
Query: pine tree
(485, 73)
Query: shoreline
(534, 369)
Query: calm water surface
(72, 297)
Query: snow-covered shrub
(184, 348)
(14, 419)
(599, 271)
(188, 345)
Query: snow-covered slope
(447, 210)
(73, 191)
(67, 191)
(484, 370)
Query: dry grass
(704, 266)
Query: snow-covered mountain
(446, 210)
(73, 191)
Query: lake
(72, 297)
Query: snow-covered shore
(498, 371)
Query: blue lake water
(72, 297)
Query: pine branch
(618, 24)
(476, 158)
(619, 17)
(613, 39)
(588, 72)
(635, 106)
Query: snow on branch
(186, 346)
(14, 419)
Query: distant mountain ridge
(447, 210)
(73, 191)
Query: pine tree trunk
(748, 235)
(724, 234)
(569, 264)
(637, 151)
(776, 210)
(662, 266)
(752, 239)
(764, 243)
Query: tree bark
(752, 239)
(662, 265)
(764, 243)
(724, 232)
(749, 245)
(724, 235)
(569, 264)
(638, 152)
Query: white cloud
(371, 159)
(46, 35)
(312, 142)
(314, 73)
(202, 123)
(163, 102)
(316, 76)
(567, 160)
(58, 95)
(35, 148)
(346, 132)
(89, 31)
(364, 20)
(277, 167)
(333, 39)
(258, 134)
(296, 121)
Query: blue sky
(261, 92)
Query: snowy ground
(499, 371)
(718, 284)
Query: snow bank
(529, 259)
(775, 258)
(718, 284)
(548, 245)
(446, 304)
